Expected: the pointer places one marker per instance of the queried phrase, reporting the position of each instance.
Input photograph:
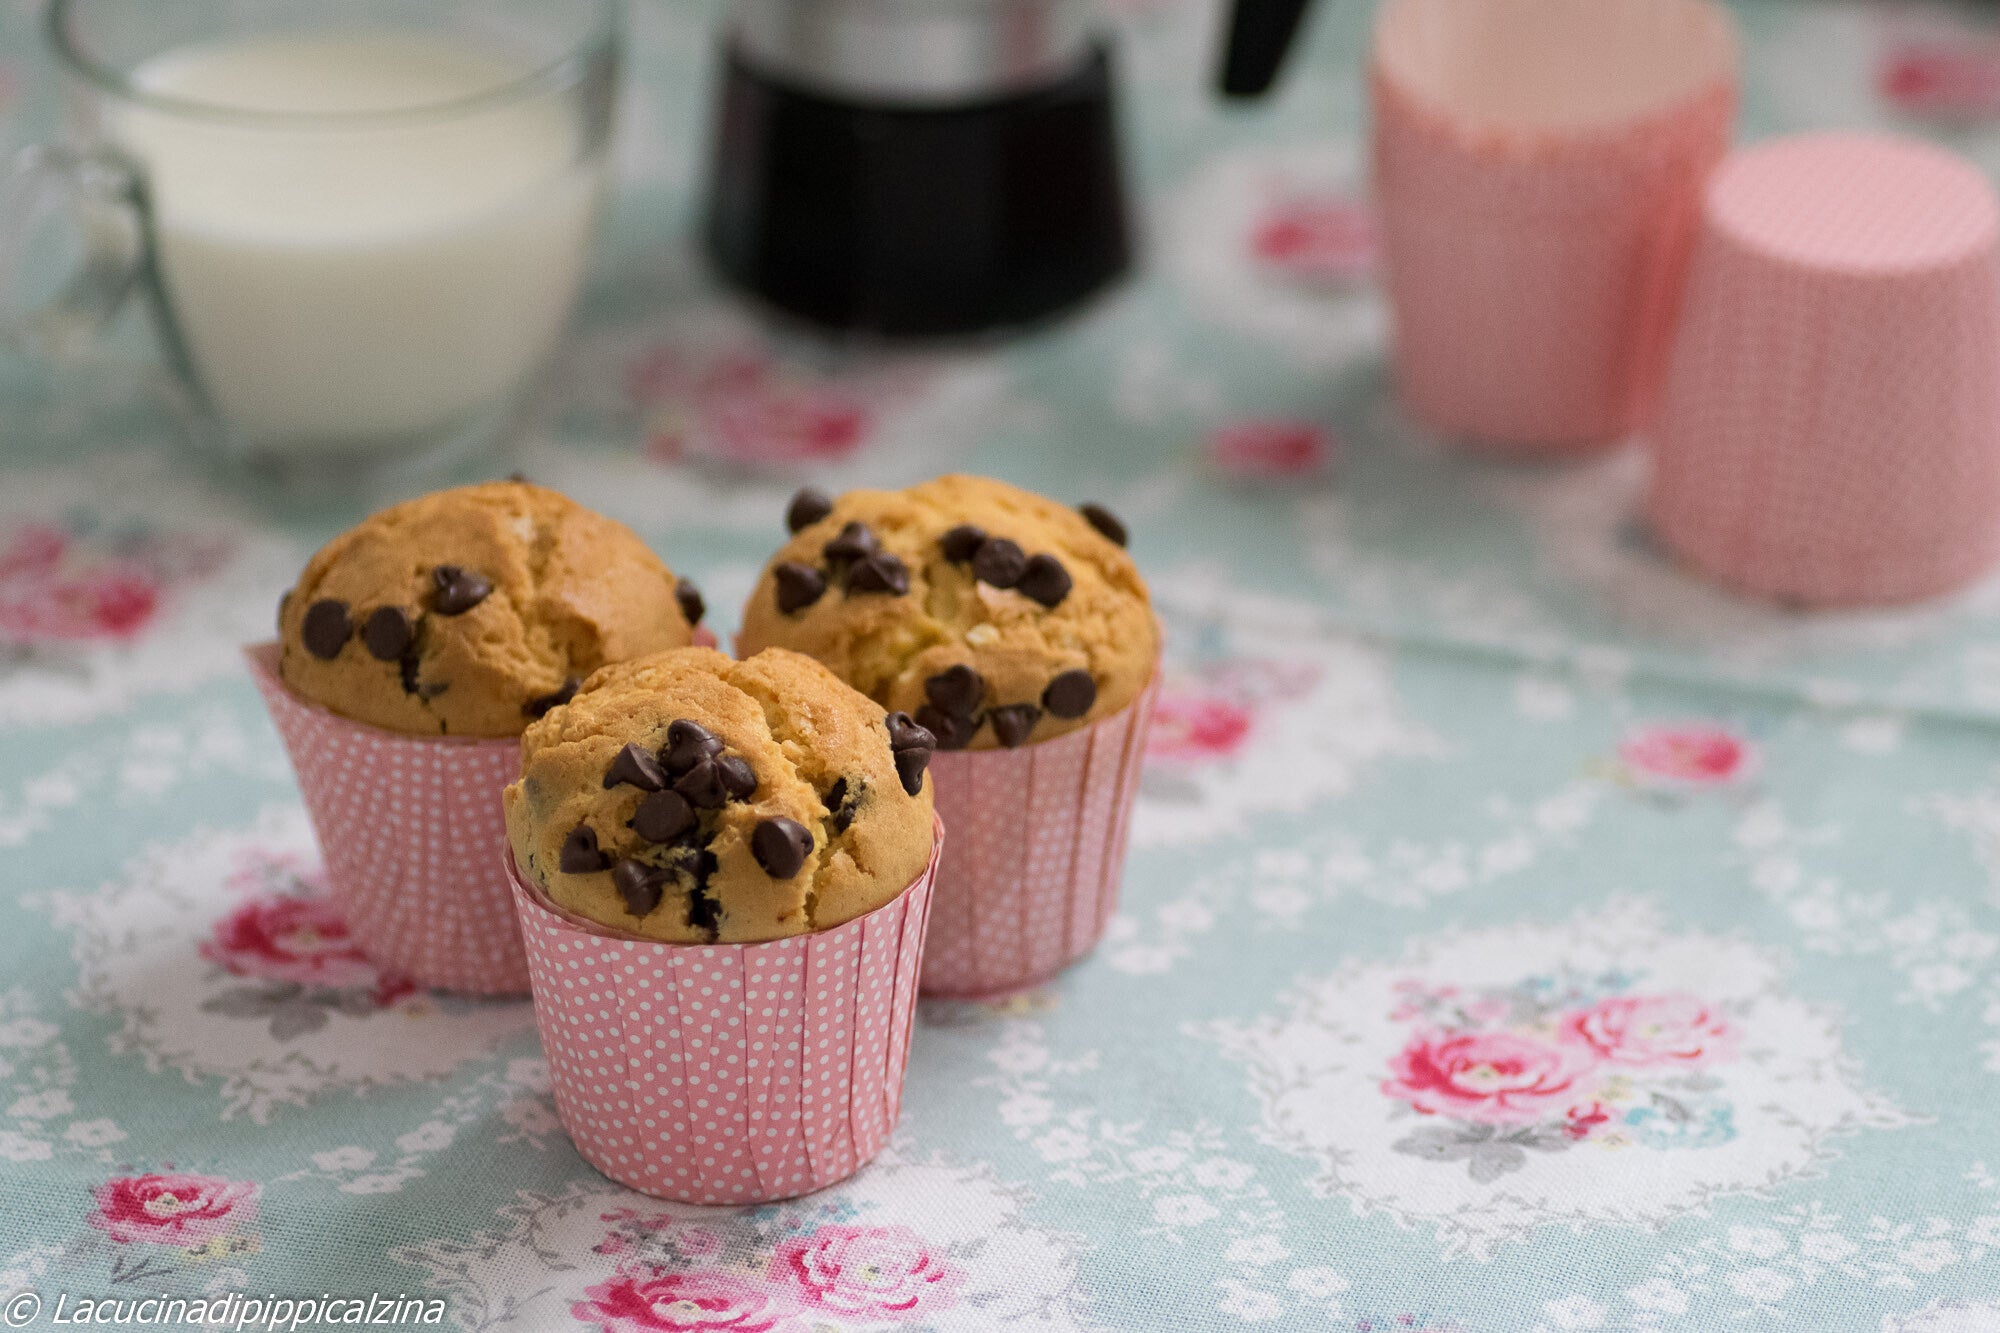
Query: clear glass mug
(361, 225)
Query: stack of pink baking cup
(1538, 168)
(1037, 853)
(727, 1073)
(1830, 433)
(410, 830)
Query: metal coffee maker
(917, 167)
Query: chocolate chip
(881, 572)
(692, 606)
(953, 733)
(905, 734)
(910, 766)
(688, 744)
(957, 690)
(1070, 695)
(704, 786)
(962, 543)
(562, 694)
(1014, 723)
(581, 854)
(407, 669)
(1104, 521)
(704, 913)
(1045, 580)
(458, 590)
(836, 800)
(387, 632)
(639, 885)
(781, 846)
(326, 629)
(738, 778)
(798, 586)
(663, 816)
(519, 478)
(808, 507)
(635, 767)
(855, 542)
(999, 562)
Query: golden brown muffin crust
(891, 646)
(565, 590)
(821, 756)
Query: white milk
(368, 282)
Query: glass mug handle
(89, 202)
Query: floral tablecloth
(1518, 934)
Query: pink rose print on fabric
(745, 408)
(289, 939)
(1941, 81)
(53, 590)
(1196, 728)
(1686, 756)
(1268, 449)
(875, 1273)
(699, 1302)
(173, 1209)
(1651, 1030)
(1493, 1078)
(1315, 239)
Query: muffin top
(471, 612)
(691, 798)
(993, 616)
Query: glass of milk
(361, 224)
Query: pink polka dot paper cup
(727, 1073)
(410, 830)
(1538, 168)
(1037, 853)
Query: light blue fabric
(1517, 933)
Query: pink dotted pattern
(727, 1073)
(1830, 432)
(1533, 283)
(1037, 853)
(410, 830)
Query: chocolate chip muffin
(991, 615)
(472, 612)
(690, 798)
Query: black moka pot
(930, 167)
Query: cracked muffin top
(472, 612)
(991, 615)
(690, 798)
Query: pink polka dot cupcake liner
(727, 1073)
(1037, 853)
(410, 830)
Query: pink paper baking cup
(1037, 853)
(410, 830)
(1533, 255)
(1830, 433)
(727, 1073)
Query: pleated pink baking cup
(1037, 853)
(410, 830)
(1538, 170)
(727, 1073)
(1830, 433)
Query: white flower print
(1759, 1241)
(531, 1074)
(1825, 1247)
(1928, 1256)
(530, 1115)
(42, 1105)
(344, 1159)
(1062, 1145)
(1018, 1057)
(1183, 1210)
(1983, 1231)
(1659, 1294)
(100, 1133)
(431, 1136)
(20, 1148)
(1156, 1159)
(1763, 1285)
(1259, 1251)
(27, 1033)
(1575, 1312)
(1222, 1173)
(1316, 1284)
(1025, 1110)
(1248, 1304)
(387, 1182)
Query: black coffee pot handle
(1260, 33)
